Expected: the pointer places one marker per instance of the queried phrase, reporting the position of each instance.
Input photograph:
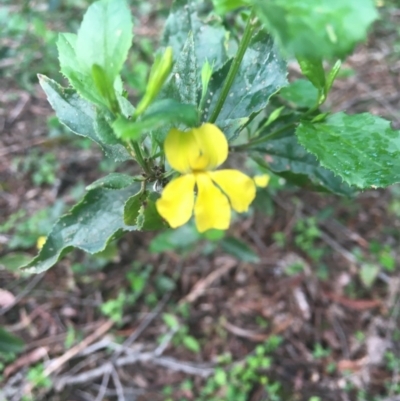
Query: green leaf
(159, 73)
(148, 218)
(191, 343)
(287, 158)
(361, 148)
(261, 73)
(224, 6)
(239, 250)
(182, 238)
(90, 225)
(81, 81)
(105, 37)
(113, 181)
(140, 210)
(79, 115)
(183, 85)
(210, 38)
(132, 207)
(317, 28)
(12, 261)
(368, 274)
(9, 342)
(159, 114)
(105, 87)
(300, 93)
(314, 71)
(332, 76)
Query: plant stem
(139, 157)
(262, 139)
(243, 45)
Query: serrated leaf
(78, 115)
(210, 38)
(361, 148)
(105, 37)
(318, 28)
(9, 342)
(261, 73)
(113, 181)
(183, 85)
(287, 158)
(90, 225)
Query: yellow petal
(40, 242)
(262, 180)
(180, 148)
(199, 149)
(240, 189)
(212, 144)
(177, 200)
(212, 208)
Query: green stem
(243, 45)
(262, 139)
(139, 157)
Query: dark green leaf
(300, 93)
(317, 28)
(132, 207)
(113, 181)
(140, 210)
(210, 38)
(239, 250)
(361, 148)
(9, 342)
(183, 85)
(90, 225)
(287, 158)
(159, 114)
(78, 115)
(148, 218)
(105, 37)
(261, 73)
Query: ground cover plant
(218, 87)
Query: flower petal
(180, 148)
(212, 144)
(240, 189)
(177, 200)
(262, 180)
(212, 208)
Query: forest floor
(305, 308)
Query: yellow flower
(40, 242)
(195, 154)
(262, 180)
